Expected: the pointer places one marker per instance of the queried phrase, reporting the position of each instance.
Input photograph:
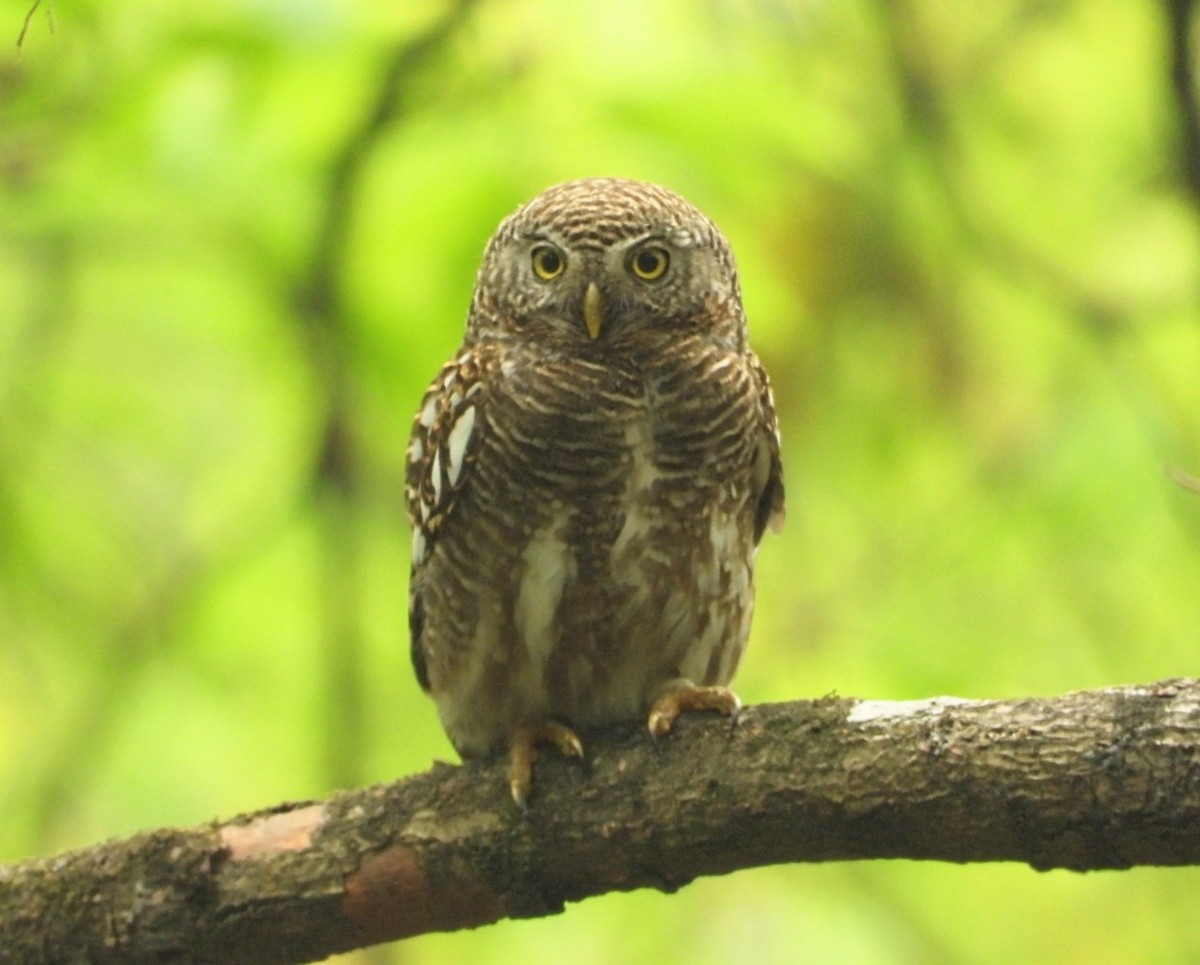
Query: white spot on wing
(435, 471)
(429, 412)
(456, 443)
(419, 545)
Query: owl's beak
(593, 310)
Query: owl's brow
(597, 241)
(585, 229)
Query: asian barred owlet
(589, 477)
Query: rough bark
(1096, 779)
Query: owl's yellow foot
(684, 696)
(523, 753)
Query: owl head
(600, 263)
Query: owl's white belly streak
(547, 563)
(639, 489)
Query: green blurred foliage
(971, 266)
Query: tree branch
(25, 24)
(1184, 479)
(1180, 18)
(1095, 779)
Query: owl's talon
(523, 754)
(659, 724)
(689, 697)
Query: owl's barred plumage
(589, 477)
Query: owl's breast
(562, 425)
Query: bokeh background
(238, 237)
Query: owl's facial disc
(593, 311)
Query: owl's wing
(768, 467)
(441, 451)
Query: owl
(588, 479)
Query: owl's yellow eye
(649, 264)
(548, 262)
